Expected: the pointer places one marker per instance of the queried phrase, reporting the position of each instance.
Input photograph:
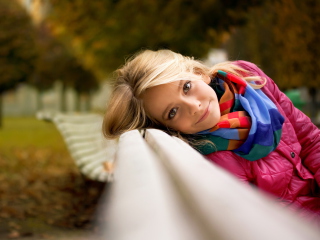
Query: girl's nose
(193, 105)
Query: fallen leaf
(14, 234)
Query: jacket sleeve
(307, 133)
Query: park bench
(82, 133)
(164, 189)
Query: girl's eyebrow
(164, 114)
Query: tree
(18, 51)
(57, 63)
(48, 64)
(82, 80)
(104, 32)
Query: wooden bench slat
(97, 172)
(91, 137)
(224, 206)
(99, 157)
(87, 146)
(141, 203)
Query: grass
(27, 143)
(29, 132)
(39, 181)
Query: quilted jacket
(292, 171)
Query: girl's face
(185, 106)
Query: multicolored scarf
(250, 123)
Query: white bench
(82, 133)
(165, 190)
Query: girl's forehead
(161, 87)
(164, 87)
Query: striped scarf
(250, 123)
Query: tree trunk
(87, 102)
(63, 106)
(77, 101)
(39, 100)
(1, 109)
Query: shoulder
(245, 64)
(270, 85)
(251, 67)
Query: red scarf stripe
(242, 90)
(237, 80)
(226, 106)
(224, 124)
(245, 122)
(234, 115)
(233, 120)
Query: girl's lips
(205, 115)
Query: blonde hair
(148, 69)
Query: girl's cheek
(184, 126)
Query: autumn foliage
(18, 50)
(282, 37)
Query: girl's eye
(172, 113)
(186, 87)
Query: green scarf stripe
(218, 144)
(237, 106)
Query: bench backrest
(92, 153)
(163, 189)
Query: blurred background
(58, 56)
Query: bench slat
(87, 146)
(142, 204)
(220, 201)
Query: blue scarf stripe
(227, 133)
(263, 136)
(277, 119)
(258, 107)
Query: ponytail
(124, 112)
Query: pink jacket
(292, 171)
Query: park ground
(42, 193)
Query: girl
(232, 113)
